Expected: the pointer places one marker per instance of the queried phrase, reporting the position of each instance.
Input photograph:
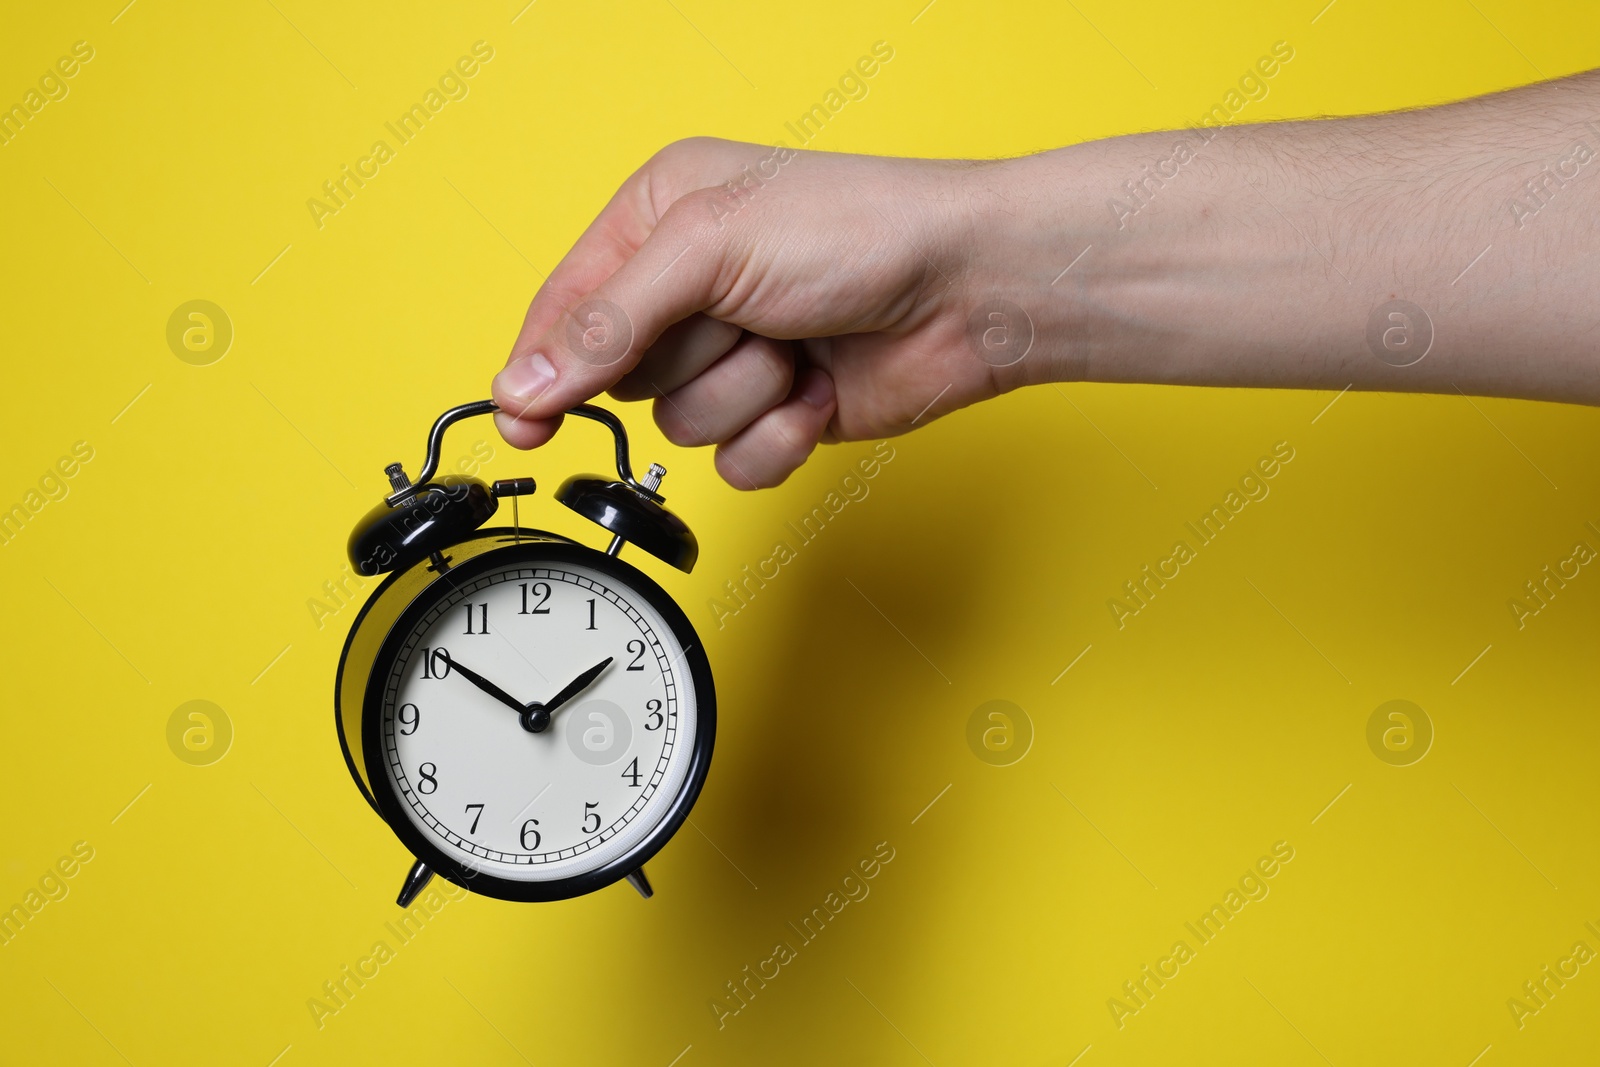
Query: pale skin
(771, 301)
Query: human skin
(771, 300)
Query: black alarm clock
(533, 718)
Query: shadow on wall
(849, 674)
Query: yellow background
(1174, 752)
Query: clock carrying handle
(430, 466)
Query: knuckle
(691, 149)
(726, 214)
(628, 389)
(675, 427)
(680, 166)
(791, 440)
(739, 476)
(776, 370)
(703, 215)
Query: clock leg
(641, 883)
(416, 881)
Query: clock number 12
(541, 590)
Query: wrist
(1018, 294)
(1157, 258)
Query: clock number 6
(527, 828)
(587, 815)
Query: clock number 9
(528, 828)
(587, 815)
(656, 719)
(429, 783)
(413, 722)
(435, 663)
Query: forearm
(1265, 256)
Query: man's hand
(769, 299)
(815, 297)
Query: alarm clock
(533, 718)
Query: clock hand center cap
(535, 718)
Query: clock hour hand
(536, 716)
(487, 686)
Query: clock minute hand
(536, 716)
(487, 686)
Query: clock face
(538, 722)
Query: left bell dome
(435, 516)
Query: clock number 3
(587, 815)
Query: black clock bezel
(539, 553)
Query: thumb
(678, 270)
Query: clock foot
(416, 881)
(641, 883)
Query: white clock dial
(596, 779)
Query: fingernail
(818, 390)
(527, 378)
